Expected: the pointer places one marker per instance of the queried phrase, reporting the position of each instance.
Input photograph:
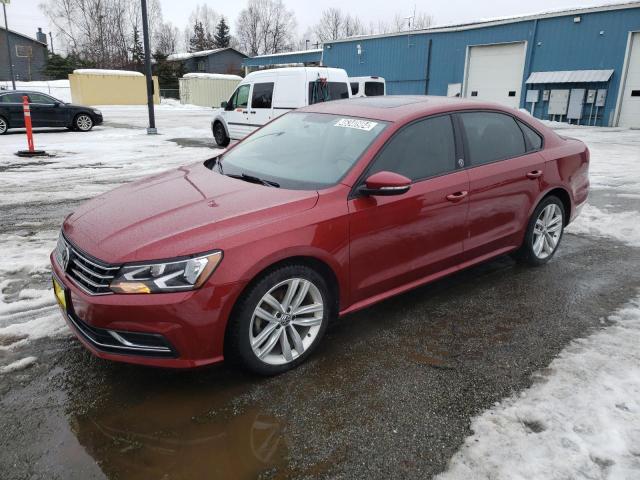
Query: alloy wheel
(3, 125)
(84, 123)
(547, 231)
(286, 321)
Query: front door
(236, 113)
(505, 180)
(45, 112)
(397, 240)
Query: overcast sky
(25, 16)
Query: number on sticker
(357, 124)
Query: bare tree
(166, 39)
(335, 24)
(264, 27)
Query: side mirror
(385, 184)
(57, 104)
(223, 104)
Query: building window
(512, 93)
(474, 93)
(24, 51)
(201, 66)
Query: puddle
(196, 142)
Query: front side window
(320, 91)
(42, 99)
(262, 95)
(421, 150)
(240, 98)
(492, 136)
(373, 89)
(304, 151)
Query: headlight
(97, 112)
(169, 276)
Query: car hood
(180, 212)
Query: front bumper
(173, 330)
(97, 119)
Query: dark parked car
(324, 211)
(46, 111)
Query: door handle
(252, 111)
(456, 197)
(245, 111)
(534, 174)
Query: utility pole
(51, 38)
(147, 70)
(6, 30)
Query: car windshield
(302, 150)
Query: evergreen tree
(168, 74)
(59, 67)
(199, 40)
(222, 39)
(137, 50)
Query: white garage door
(630, 106)
(494, 73)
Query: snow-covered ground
(581, 419)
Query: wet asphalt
(390, 392)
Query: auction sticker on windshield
(357, 124)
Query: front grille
(91, 275)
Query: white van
(267, 94)
(367, 86)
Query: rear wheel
(544, 232)
(83, 122)
(280, 321)
(4, 126)
(220, 135)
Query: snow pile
(117, 73)
(623, 226)
(18, 365)
(582, 421)
(188, 55)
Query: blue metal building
(590, 58)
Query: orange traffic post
(27, 122)
(32, 152)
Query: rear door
(505, 175)
(11, 106)
(236, 113)
(261, 108)
(395, 240)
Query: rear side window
(534, 140)
(373, 89)
(492, 136)
(421, 150)
(39, 98)
(325, 91)
(11, 98)
(262, 95)
(355, 88)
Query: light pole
(6, 30)
(147, 69)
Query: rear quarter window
(533, 138)
(373, 89)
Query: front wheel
(280, 321)
(544, 232)
(83, 122)
(4, 126)
(220, 135)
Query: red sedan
(324, 211)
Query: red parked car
(324, 211)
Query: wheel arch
(220, 119)
(564, 197)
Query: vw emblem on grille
(65, 258)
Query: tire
(220, 135)
(544, 232)
(4, 126)
(82, 122)
(271, 354)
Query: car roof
(3, 92)
(398, 108)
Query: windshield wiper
(252, 179)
